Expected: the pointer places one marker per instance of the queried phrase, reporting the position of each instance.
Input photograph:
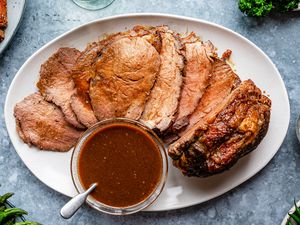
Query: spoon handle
(69, 209)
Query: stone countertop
(264, 199)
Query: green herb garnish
(259, 8)
(9, 215)
(295, 216)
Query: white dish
(15, 10)
(53, 169)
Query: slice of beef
(83, 110)
(125, 74)
(3, 18)
(82, 73)
(215, 145)
(42, 124)
(3, 14)
(2, 35)
(199, 64)
(85, 69)
(222, 82)
(56, 83)
(161, 108)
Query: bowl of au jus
(127, 161)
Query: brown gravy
(124, 161)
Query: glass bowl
(119, 210)
(93, 4)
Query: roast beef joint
(175, 84)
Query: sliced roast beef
(3, 14)
(161, 108)
(85, 69)
(214, 145)
(3, 18)
(42, 124)
(2, 35)
(125, 74)
(199, 64)
(222, 82)
(82, 73)
(83, 110)
(56, 83)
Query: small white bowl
(292, 210)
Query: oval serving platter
(53, 168)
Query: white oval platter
(53, 168)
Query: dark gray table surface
(264, 199)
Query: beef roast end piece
(238, 128)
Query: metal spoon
(69, 209)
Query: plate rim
(133, 15)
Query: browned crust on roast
(236, 130)
(42, 124)
(226, 55)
